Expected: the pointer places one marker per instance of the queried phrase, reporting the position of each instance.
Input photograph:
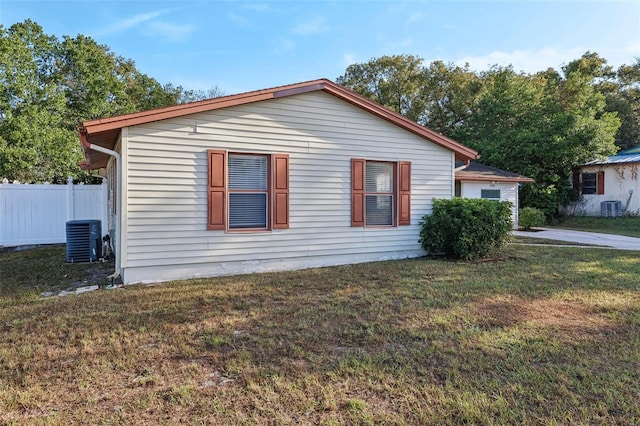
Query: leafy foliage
(49, 86)
(465, 228)
(528, 217)
(539, 125)
(394, 81)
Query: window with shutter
(380, 193)
(588, 183)
(248, 191)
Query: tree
(450, 96)
(35, 145)
(49, 86)
(198, 95)
(624, 98)
(440, 96)
(393, 81)
(539, 125)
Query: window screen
(491, 194)
(589, 183)
(248, 195)
(379, 193)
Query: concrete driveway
(613, 241)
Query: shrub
(465, 228)
(528, 217)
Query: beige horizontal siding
(167, 180)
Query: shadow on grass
(545, 335)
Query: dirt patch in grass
(574, 320)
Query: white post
(104, 215)
(70, 201)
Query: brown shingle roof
(105, 131)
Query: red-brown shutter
(600, 183)
(217, 191)
(280, 191)
(404, 197)
(357, 191)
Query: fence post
(70, 201)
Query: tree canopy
(540, 125)
(48, 86)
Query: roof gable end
(105, 131)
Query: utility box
(611, 208)
(84, 240)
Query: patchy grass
(26, 274)
(544, 336)
(626, 225)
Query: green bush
(528, 217)
(464, 228)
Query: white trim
(123, 205)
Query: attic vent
(610, 208)
(84, 240)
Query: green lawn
(627, 225)
(542, 335)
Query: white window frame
(242, 189)
(387, 181)
(491, 198)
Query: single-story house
(609, 187)
(475, 180)
(304, 175)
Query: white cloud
(170, 32)
(395, 46)
(238, 19)
(312, 26)
(256, 7)
(415, 17)
(134, 21)
(348, 59)
(148, 24)
(283, 45)
(532, 61)
(529, 61)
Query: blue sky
(247, 45)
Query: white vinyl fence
(37, 214)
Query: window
(248, 191)
(380, 193)
(589, 183)
(490, 194)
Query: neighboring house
(298, 176)
(479, 181)
(609, 187)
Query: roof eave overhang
(493, 179)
